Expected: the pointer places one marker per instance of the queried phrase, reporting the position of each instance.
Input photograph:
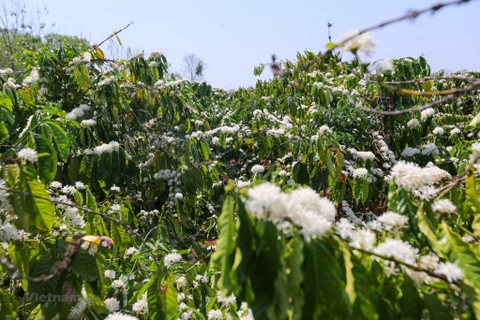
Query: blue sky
(233, 37)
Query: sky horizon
(233, 38)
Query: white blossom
(362, 239)
(360, 173)
(118, 284)
(110, 274)
(304, 207)
(358, 42)
(323, 130)
(215, 315)
(28, 154)
(88, 123)
(398, 249)
(120, 316)
(438, 131)
(383, 65)
(450, 270)
(413, 123)
(171, 259)
(179, 196)
(444, 206)
(141, 306)
(391, 220)
(427, 113)
(112, 304)
(410, 152)
(344, 228)
(455, 131)
(257, 169)
(365, 155)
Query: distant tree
(193, 67)
(56, 39)
(22, 28)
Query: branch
(407, 265)
(111, 36)
(103, 215)
(404, 111)
(432, 78)
(72, 250)
(474, 86)
(445, 189)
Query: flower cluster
(302, 207)
(77, 112)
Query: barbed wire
(410, 15)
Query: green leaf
(91, 202)
(47, 158)
(169, 299)
(293, 261)
(223, 257)
(300, 173)
(9, 305)
(3, 132)
(43, 267)
(192, 180)
(61, 139)
(82, 77)
(204, 149)
(359, 287)
(410, 303)
(467, 258)
(475, 121)
(245, 245)
(436, 309)
(33, 209)
(324, 290)
(267, 275)
(154, 300)
(427, 225)
(365, 190)
(85, 266)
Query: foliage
(173, 172)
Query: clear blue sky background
(233, 37)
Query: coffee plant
(335, 190)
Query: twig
(103, 215)
(407, 265)
(444, 190)
(111, 36)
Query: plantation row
(128, 194)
